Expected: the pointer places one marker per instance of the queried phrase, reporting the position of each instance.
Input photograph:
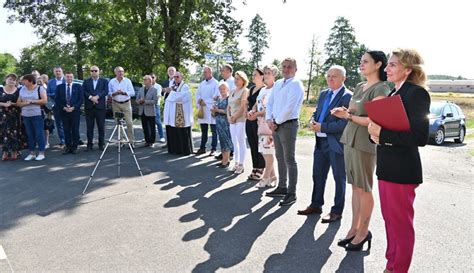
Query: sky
(442, 31)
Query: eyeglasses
(94, 70)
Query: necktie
(68, 94)
(325, 106)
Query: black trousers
(71, 128)
(95, 116)
(251, 129)
(204, 132)
(149, 128)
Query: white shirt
(125, 85)
(182, 95)
(262, 98)
(231, 82)
(208, 91)
(334, 94)
(285, 100)
(158, 91)
(60, 81)
(94, 82)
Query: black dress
(10, 123)
(251, 129)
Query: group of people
(266, 114)
(347, 141)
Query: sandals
(256, 174)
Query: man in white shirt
(178, 117)
(121, 90)
(168, 82)
(283, 110)
(158, 108)
(206, 97)
(226, 73)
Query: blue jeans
(158, 121)
(204, 131)
(34, 127)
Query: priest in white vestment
(178, 117)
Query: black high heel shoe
(358, 247)
(344, 242)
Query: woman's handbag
(263, 129)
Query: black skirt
(179, 140)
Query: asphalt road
(185, 215)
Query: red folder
(388, 113)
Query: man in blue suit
(69, 98)
(51, 92)
(95, 91)
(328, 151)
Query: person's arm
(199, 96)
(77, 105)
(269, 109)
(130, 91)
(418, 109)
(49, 89)
(181, 96)
(103, 92)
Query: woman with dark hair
(359, 152)
(251, 127)
(31, 98)
(10, 120)
(398, 160)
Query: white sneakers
(30, 157)
(162, 140)
(46, 146)
(33, 156)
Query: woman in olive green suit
(359, 152)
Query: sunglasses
(94, 70)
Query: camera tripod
(119, 127)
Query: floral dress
(222, 127)
(12, 137)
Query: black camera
(119, 115)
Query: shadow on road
(303, 253)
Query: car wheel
(439, 136)
(462, 133)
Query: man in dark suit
(328, 151)
(51, 92)
(95, 91)
(69, 98)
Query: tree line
(149, 36)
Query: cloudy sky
(440, 30)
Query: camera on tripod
(119, 116)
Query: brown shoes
(310, 210)
(331, 217)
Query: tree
(44, 56)
(258, 38)
(8, 65)
(67, 24)
(142, 36)
(342, 49)
(315, 65)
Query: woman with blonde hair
(398, 161)
(236, 115)
(266, 146)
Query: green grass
(469, 123)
